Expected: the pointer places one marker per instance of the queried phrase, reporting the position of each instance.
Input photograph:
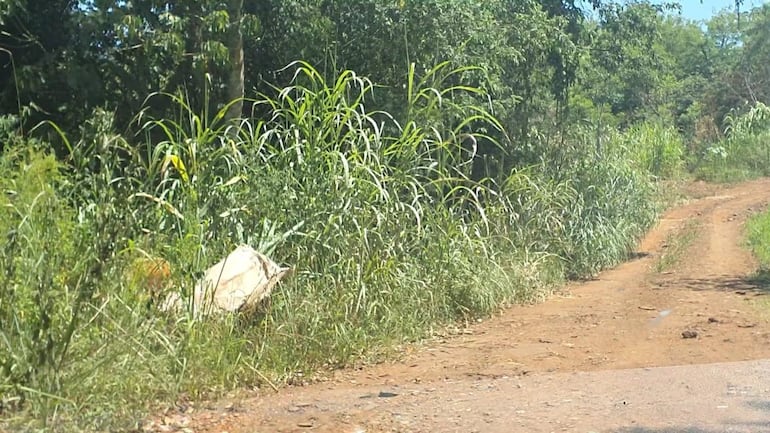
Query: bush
(655, 149)
(388, 233)
(39, 289)
(584, 205)
(744, 153)
(758, 236)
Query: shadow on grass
(761, 279)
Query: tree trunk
(235, 82)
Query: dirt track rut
(582, 361)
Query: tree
(756, 52)
(739, 51)
(42, 67)
(691, 58)
(630, 70)
(235, 82)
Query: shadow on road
(758, 284)
(763, 405)
(762, 279)
(733, 425)
(665, 430)
(738, 427)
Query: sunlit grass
(744, 152)
(389, 234)
(677, 246)
(758, 236)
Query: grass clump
(758, 237)
(744, 152)
(757, 231)
(388, 231)
(587, 205)
(677, 244)
(39, 256)
(656, 149)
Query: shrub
(744, 152)
(387, 231)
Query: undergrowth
(389, 234)
(677, 245)
(744, 152)
(758, 237)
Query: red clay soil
(703, 309)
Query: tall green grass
(656, 149)
(589, 204)
(757, 232)
(758, 237)
(389, 235)
(744, 152)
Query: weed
(389, 235)
(758, 238)
(744, 153)
(676, 245)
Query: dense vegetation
(758, 231)
(758, 237)
(417, 163)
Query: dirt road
(605, 355)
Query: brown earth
(629, 317)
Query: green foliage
(386, 230)
(636, 61)
(677, 244)
(629, 66)
(758, 237)
(612, 207)
(757, 232)
(744, 152)
(368, 213)
(656, 149)
(445, 158)
(39, 285)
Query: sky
(701, 10)
(705, 9)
